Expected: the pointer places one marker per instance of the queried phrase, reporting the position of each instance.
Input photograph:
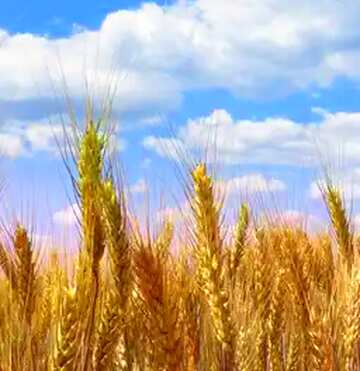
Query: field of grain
(269, 297)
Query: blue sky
(273, 87)
(56, 19)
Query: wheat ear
(67, 339)
(341, 224)
(90, 167)
(25, 273)
(210, 257)
(158, 298)
(240, 240)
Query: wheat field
(269, 297)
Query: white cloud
(43, 137)
(245, 46)
(274, 140)
(20, 138)
(11, 145)
(251, 183)
(167, 147)
(315, 190)
(155, 120)
(347, 180)
(68, 216)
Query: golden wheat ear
(67, 341)
(117, 241)
(114, 309)
(25, 273)
(109, 333)
(165, 238)
(340, 222)
(351, 323)
(237, 251)
(8, 266)
(156, 288)
(210, 257)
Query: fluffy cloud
(68, 216)
(11, 145)
(167, 147)
(24, 138)
(315, 190)
(251, 183)
(245, 46)
(348, 181)
(274, 140)
(43, 137)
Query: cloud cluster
(249, 184)
(347, 180)
(156, 53)
(68, 216)
(275, 140)
(24, 138)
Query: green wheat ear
(90, 167)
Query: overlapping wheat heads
(270, 297)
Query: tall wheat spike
(90, 167)
(115, 306)
(340, 222)
(210, 257)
